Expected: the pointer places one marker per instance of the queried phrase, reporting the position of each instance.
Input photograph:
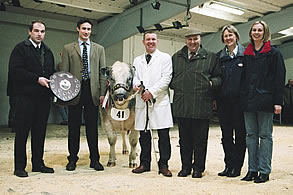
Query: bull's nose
(120, 97)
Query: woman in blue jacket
(228, 102)
(262, 95)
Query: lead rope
(151, 132)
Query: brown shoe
(165, 171)
(140, 169)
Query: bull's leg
(124, 145)
(112, 138)
(133, 139)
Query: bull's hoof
(125, 152)
(111, 164)
(132, 165)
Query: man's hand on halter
(138, 87)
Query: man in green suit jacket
(84, 58)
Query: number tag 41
(120, 115)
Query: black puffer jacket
(263, 81)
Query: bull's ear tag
(120, 115)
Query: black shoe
(225, 172)
(234, 173)
(97, 166)
(43, 169)
(196, 174)
(262, 178)
(64, 123)
(13, 130)
(20, 173)
(250, 176)
(184, 173)
(71, 165)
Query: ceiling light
(87, 10)
(158, 27)
(156, 5)
(177, 24)
(140, 29)
(60, 5)
(2, 7)
(226, 8)
(16, 3)
(133, 2)
(288, 31)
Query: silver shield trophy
(64, 85)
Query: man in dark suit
(84, 58)
(196, 69)
(30, 65)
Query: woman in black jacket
(262, 95)
(228, 102)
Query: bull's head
(120, 77)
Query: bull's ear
(105, 71)
(132, 68)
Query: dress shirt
(234, 52)
(34, 44)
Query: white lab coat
(156, 77)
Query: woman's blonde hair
(231, 29)
(266, 34)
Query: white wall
(133, 46)
(289, 68)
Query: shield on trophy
(64, 85)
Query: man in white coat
(153, 109)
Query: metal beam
(123, 25)
(98, 7)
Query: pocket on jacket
(264, 98)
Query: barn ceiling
(208, 16)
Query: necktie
(85, 72)
(148, 58)
(191, 55)
(38, 49)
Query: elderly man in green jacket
(196, 75)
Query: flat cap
(192, 32)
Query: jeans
(259, 141)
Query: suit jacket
(72, 62)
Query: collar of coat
(240, 51)
(250, 51)
(201, 53)
(27, 42)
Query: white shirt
(189, 53)
(235, 50)
(34, 44)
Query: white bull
(120, 114)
